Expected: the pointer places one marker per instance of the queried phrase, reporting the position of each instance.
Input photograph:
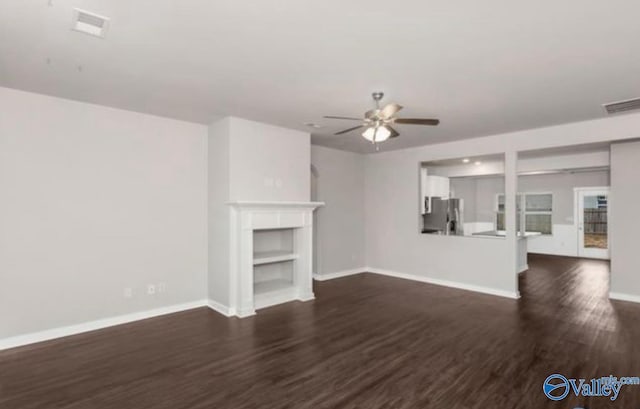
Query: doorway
(592, 208)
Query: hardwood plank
(367, 341)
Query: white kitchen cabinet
(434, 186)
(438, 186)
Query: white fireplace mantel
(246, 218)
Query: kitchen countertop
(502, 233)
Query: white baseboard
(221, 308)
(306, 297)
(446, 283)
(429, 280)
(46, 335)
(338, 274)
(245, 313)
(53, 333)
(624, 297)
(523, 268)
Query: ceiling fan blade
(370, 114)
(416, 121)
(394, 133)
(342, 117)
(390, 110)
(349, 130)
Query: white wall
(340, 223)
(219, 181)
(467, 190)
(268, 162)
(479, 197)
(598, 159)
(526, 164)
(486, 194)
(394, 240)
(486, 168)
(93, 200)
(625, 223)
(392, 205)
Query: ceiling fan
(378, 121)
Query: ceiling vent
(622, 106)
(90, 23)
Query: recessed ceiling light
(90, 23)
(465, 160)
(312, 125)
(478, 163)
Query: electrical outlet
(162, 287)
(279, 183)
(128, 292)
(151, 289)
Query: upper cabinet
(438, 186)
(432, 186)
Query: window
(537, 209)
(538, 212)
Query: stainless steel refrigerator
(444, 217)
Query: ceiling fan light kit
(378, 121)
(376, 134)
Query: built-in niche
(274, 256)
(463, 197)
(271, 253)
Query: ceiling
(481, 67)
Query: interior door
(593, 222)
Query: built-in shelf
(270, 286)
(275, 291)
(272, 254)
(267, 257)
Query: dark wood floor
(367, 342)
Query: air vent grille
(90, 23)
(622, 106)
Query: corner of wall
(218, 188)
